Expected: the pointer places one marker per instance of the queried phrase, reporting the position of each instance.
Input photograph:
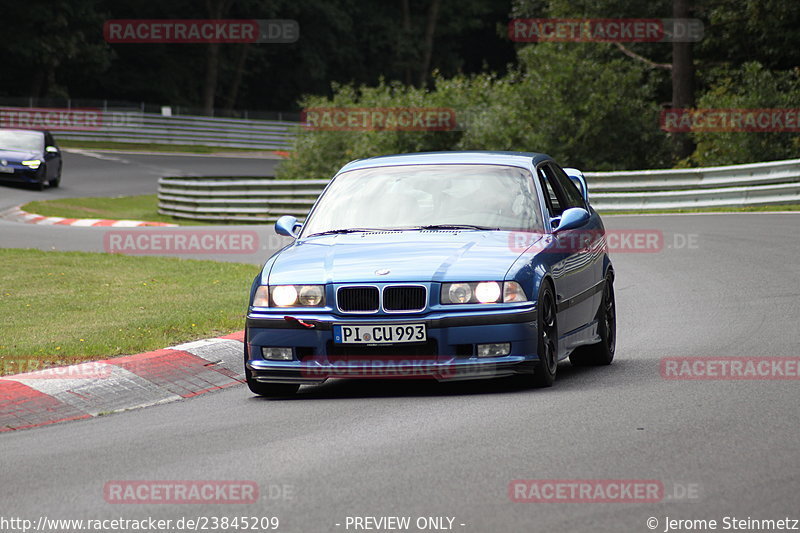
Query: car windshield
(414, 196)
(21, 141)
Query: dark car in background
(30, 156)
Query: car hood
(438, 255)
(17, 156)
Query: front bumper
(449, 354)
(23, 174)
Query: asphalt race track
(102, 173)
(719, 285)
(93, 173)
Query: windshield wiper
(406, 228)
(350, 230)
(455, 226)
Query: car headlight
(487, 292)
(284, 295)
(289, 296)
(482, 292)
(311, 295)
(32, 163)
(457, 293)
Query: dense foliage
(591, 105)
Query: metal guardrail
(152, 128)
(236, 199)
(136, 126)
(266, 199)
(771, 183)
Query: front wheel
(55, 182)
(544, 373)
(41, 175)
(601, 353)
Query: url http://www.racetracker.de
(44, 524)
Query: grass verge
(63, 307)
(153, 147)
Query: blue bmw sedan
(450, 265)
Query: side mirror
(580, 182)
(51, 150)
(572, 218)
(288, 226)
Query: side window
(552, 195)
(572, 195)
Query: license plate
(7, 170)
(379, 334)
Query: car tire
(601, 353)
(41, 175)
(544, 373)
(55, 182)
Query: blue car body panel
(436, 255)
(430, 258)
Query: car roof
(19, 130)
(522, 159)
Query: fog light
(276, 354)
(494, 350)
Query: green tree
(589, 114)
(45, 41)
(751, 87)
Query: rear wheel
(601, 353)
(545, 370)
